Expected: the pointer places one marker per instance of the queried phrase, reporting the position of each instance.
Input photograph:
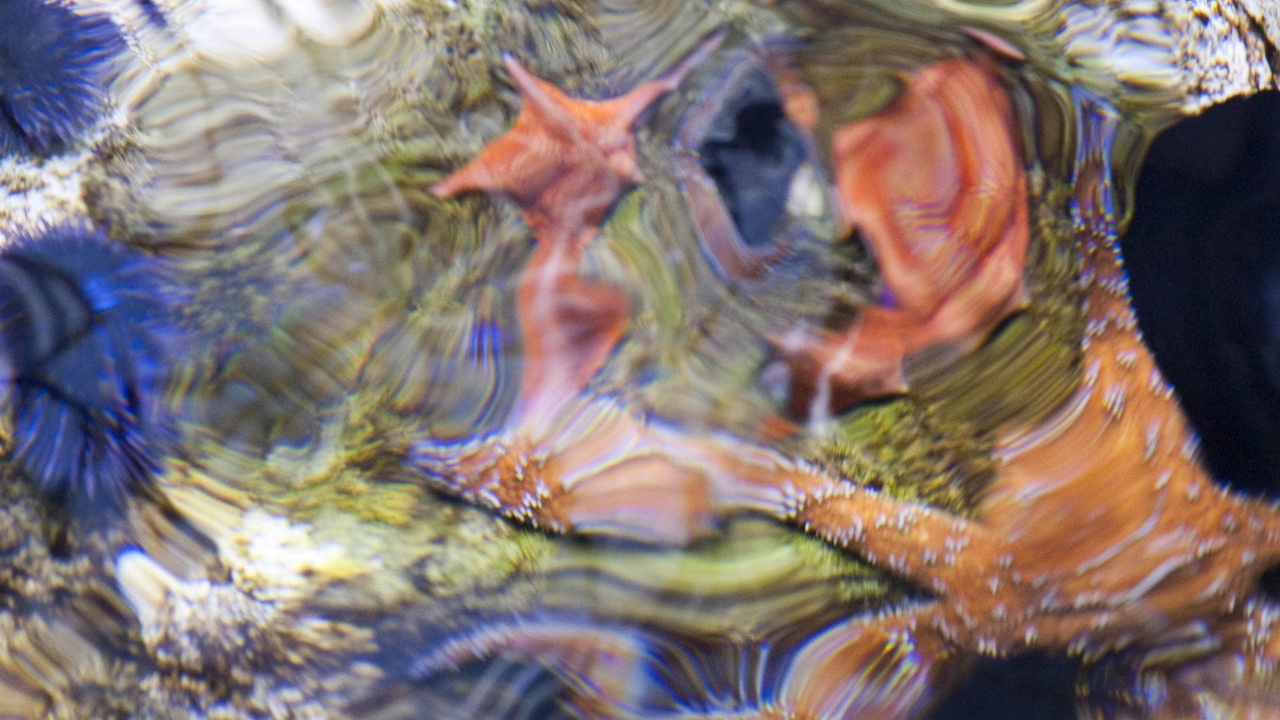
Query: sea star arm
(625, 110)
(943, 553)
(524, 154)
(599, 664)
(544, 100)
(936, 186)
(881, 667)
(570, 326)
(836, 369)
(599, 469)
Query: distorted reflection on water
(630, 359)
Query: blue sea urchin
(53, 63)
(81, 326)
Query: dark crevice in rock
(1203, 253)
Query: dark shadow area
(1269, 585)
(1203, 254)
(1035, 686)
(752, 151)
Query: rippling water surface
(613, 358)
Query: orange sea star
(935, 184)
(564, 163)
(567, 460)
(1100, 535)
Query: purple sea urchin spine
(54, 62)
(82, 326)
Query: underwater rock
(216, 643)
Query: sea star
(1101, 534)
(564, 163)
(568, 460)
(935, 184)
